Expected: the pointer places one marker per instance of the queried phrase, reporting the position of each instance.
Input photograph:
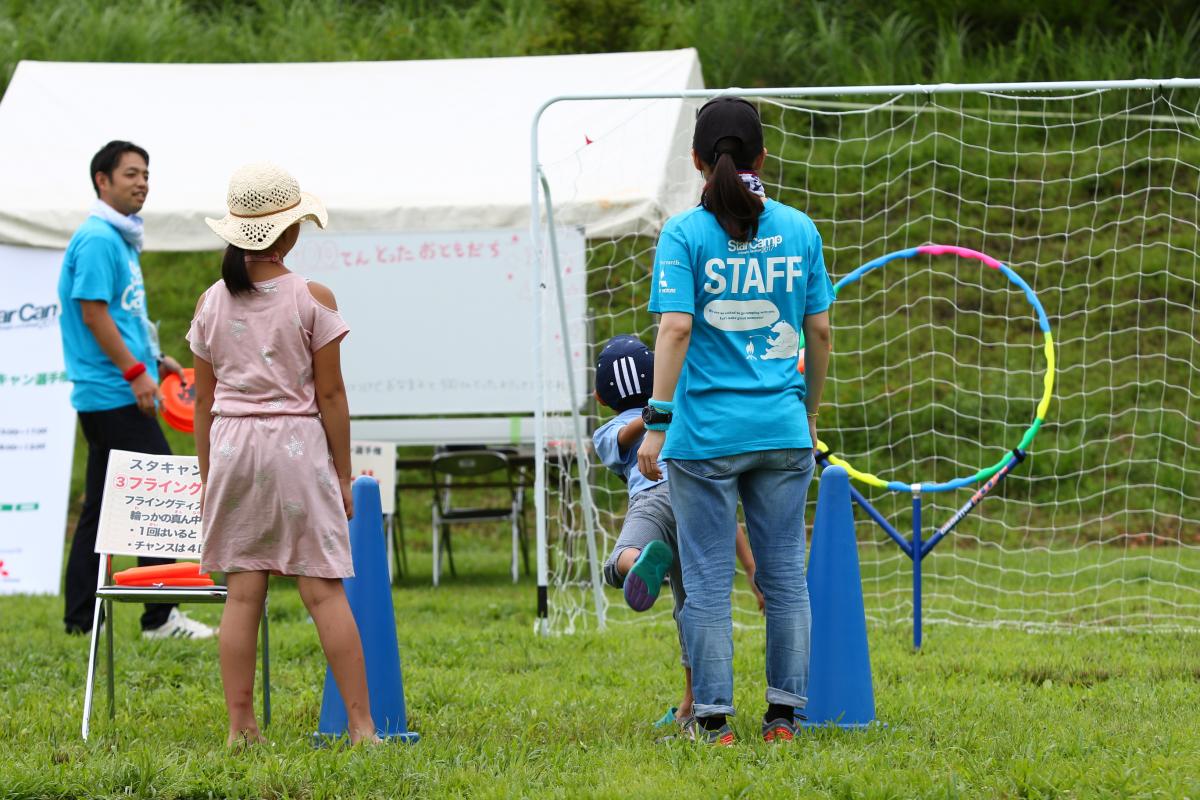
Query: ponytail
(725, 195)
(234, 272)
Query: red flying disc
(179, 400)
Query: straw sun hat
(264, 200)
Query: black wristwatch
(654, 417)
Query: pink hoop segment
(962, 252)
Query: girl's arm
(670, 348)
(332, 403)
(206, 386)
(206, 389)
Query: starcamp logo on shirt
(756, 246)
(133, 298)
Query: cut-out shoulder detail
(322, 295)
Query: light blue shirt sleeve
(607, 448)
(673, 287)
(95, 275)
(819, 292)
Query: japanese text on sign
(151, 506)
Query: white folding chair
(117, 536)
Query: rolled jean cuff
(703, 710)
(781, 698)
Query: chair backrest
(467, 469)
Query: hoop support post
(1018, 456)
(917, 555)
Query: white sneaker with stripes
(180, 626)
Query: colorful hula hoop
(1048, 381)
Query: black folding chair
(474, 473)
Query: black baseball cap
(728, 117)
(625, 373)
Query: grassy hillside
(743, 43)
(1126, 378)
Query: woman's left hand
(652, 445)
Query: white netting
(1093, 197)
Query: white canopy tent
(388, 146)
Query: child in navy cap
(646, 550)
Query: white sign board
(151, 506)
(377, 459)
(37, 423)
(442, 322)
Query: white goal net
(1091, 193)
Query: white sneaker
(180, 626)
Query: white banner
(151, 506)
(377, 459)
(442, 323)
(37, 423)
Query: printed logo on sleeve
(663, 286)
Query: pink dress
(272, 500)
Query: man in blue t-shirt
(112, 357)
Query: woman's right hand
(652, 445)
(146, 392)
(812, 431)
(347, 487)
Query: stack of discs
(179, 401)
(186, 573)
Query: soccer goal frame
(545, 259)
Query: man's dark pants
(124, 428)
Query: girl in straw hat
(273, 436)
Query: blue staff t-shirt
(623, 462)
(100, 265)
(740, 390)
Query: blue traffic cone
(370, 596)
(839, 672)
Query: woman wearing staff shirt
(735, 280)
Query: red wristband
(134, 371)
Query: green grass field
(977, 713)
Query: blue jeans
(773, 486)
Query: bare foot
(365, 736)
(241, 739)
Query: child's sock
(776, 711)
(713, 723)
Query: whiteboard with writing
(442, 322)
(150, 506)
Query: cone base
(320, 740)
(846, 726)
